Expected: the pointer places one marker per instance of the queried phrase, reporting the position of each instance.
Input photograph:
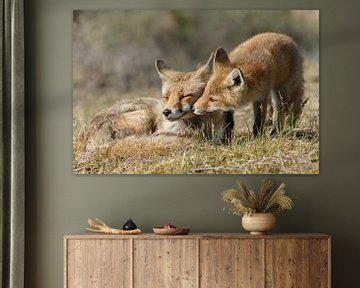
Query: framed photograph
(196, 92)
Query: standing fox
(267, 65)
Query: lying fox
(173, 116)
(266, 66)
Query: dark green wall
(59, 203)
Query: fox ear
(207, 69)
(221, 57)
(162, 68)
(210, 62)
(235, 78)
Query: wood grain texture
(98, 264)
(231, 263)
(197, 260)
(287, 263)
(88, 235)
(319, 263)
(165, 263)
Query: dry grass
(292, 152)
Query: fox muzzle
(166, 112)
(175, 114)
(199, 112)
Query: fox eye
(185, 96)
(166, 97)
(212, 99)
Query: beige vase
(259, 223)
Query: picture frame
(122, 126)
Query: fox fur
(152, 116)
(267, 66)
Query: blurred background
(114, 51)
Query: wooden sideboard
(197, 260)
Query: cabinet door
(165, 263)
(287, 263)
(320, 263)
(231, 263)
(98, 263)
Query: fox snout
(199, 108)
(175, 114)
(199, 111)
(166, 112)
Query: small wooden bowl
(171, 231)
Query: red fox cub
(266, 66)
(180, 90)
(135, 118)
(151, 116)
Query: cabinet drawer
(297, 263)
(98, 263)
(165, 263)
(231, 263)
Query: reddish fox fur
(151, 116)
(180, 90)
(266, 66)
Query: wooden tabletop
(89, 235)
